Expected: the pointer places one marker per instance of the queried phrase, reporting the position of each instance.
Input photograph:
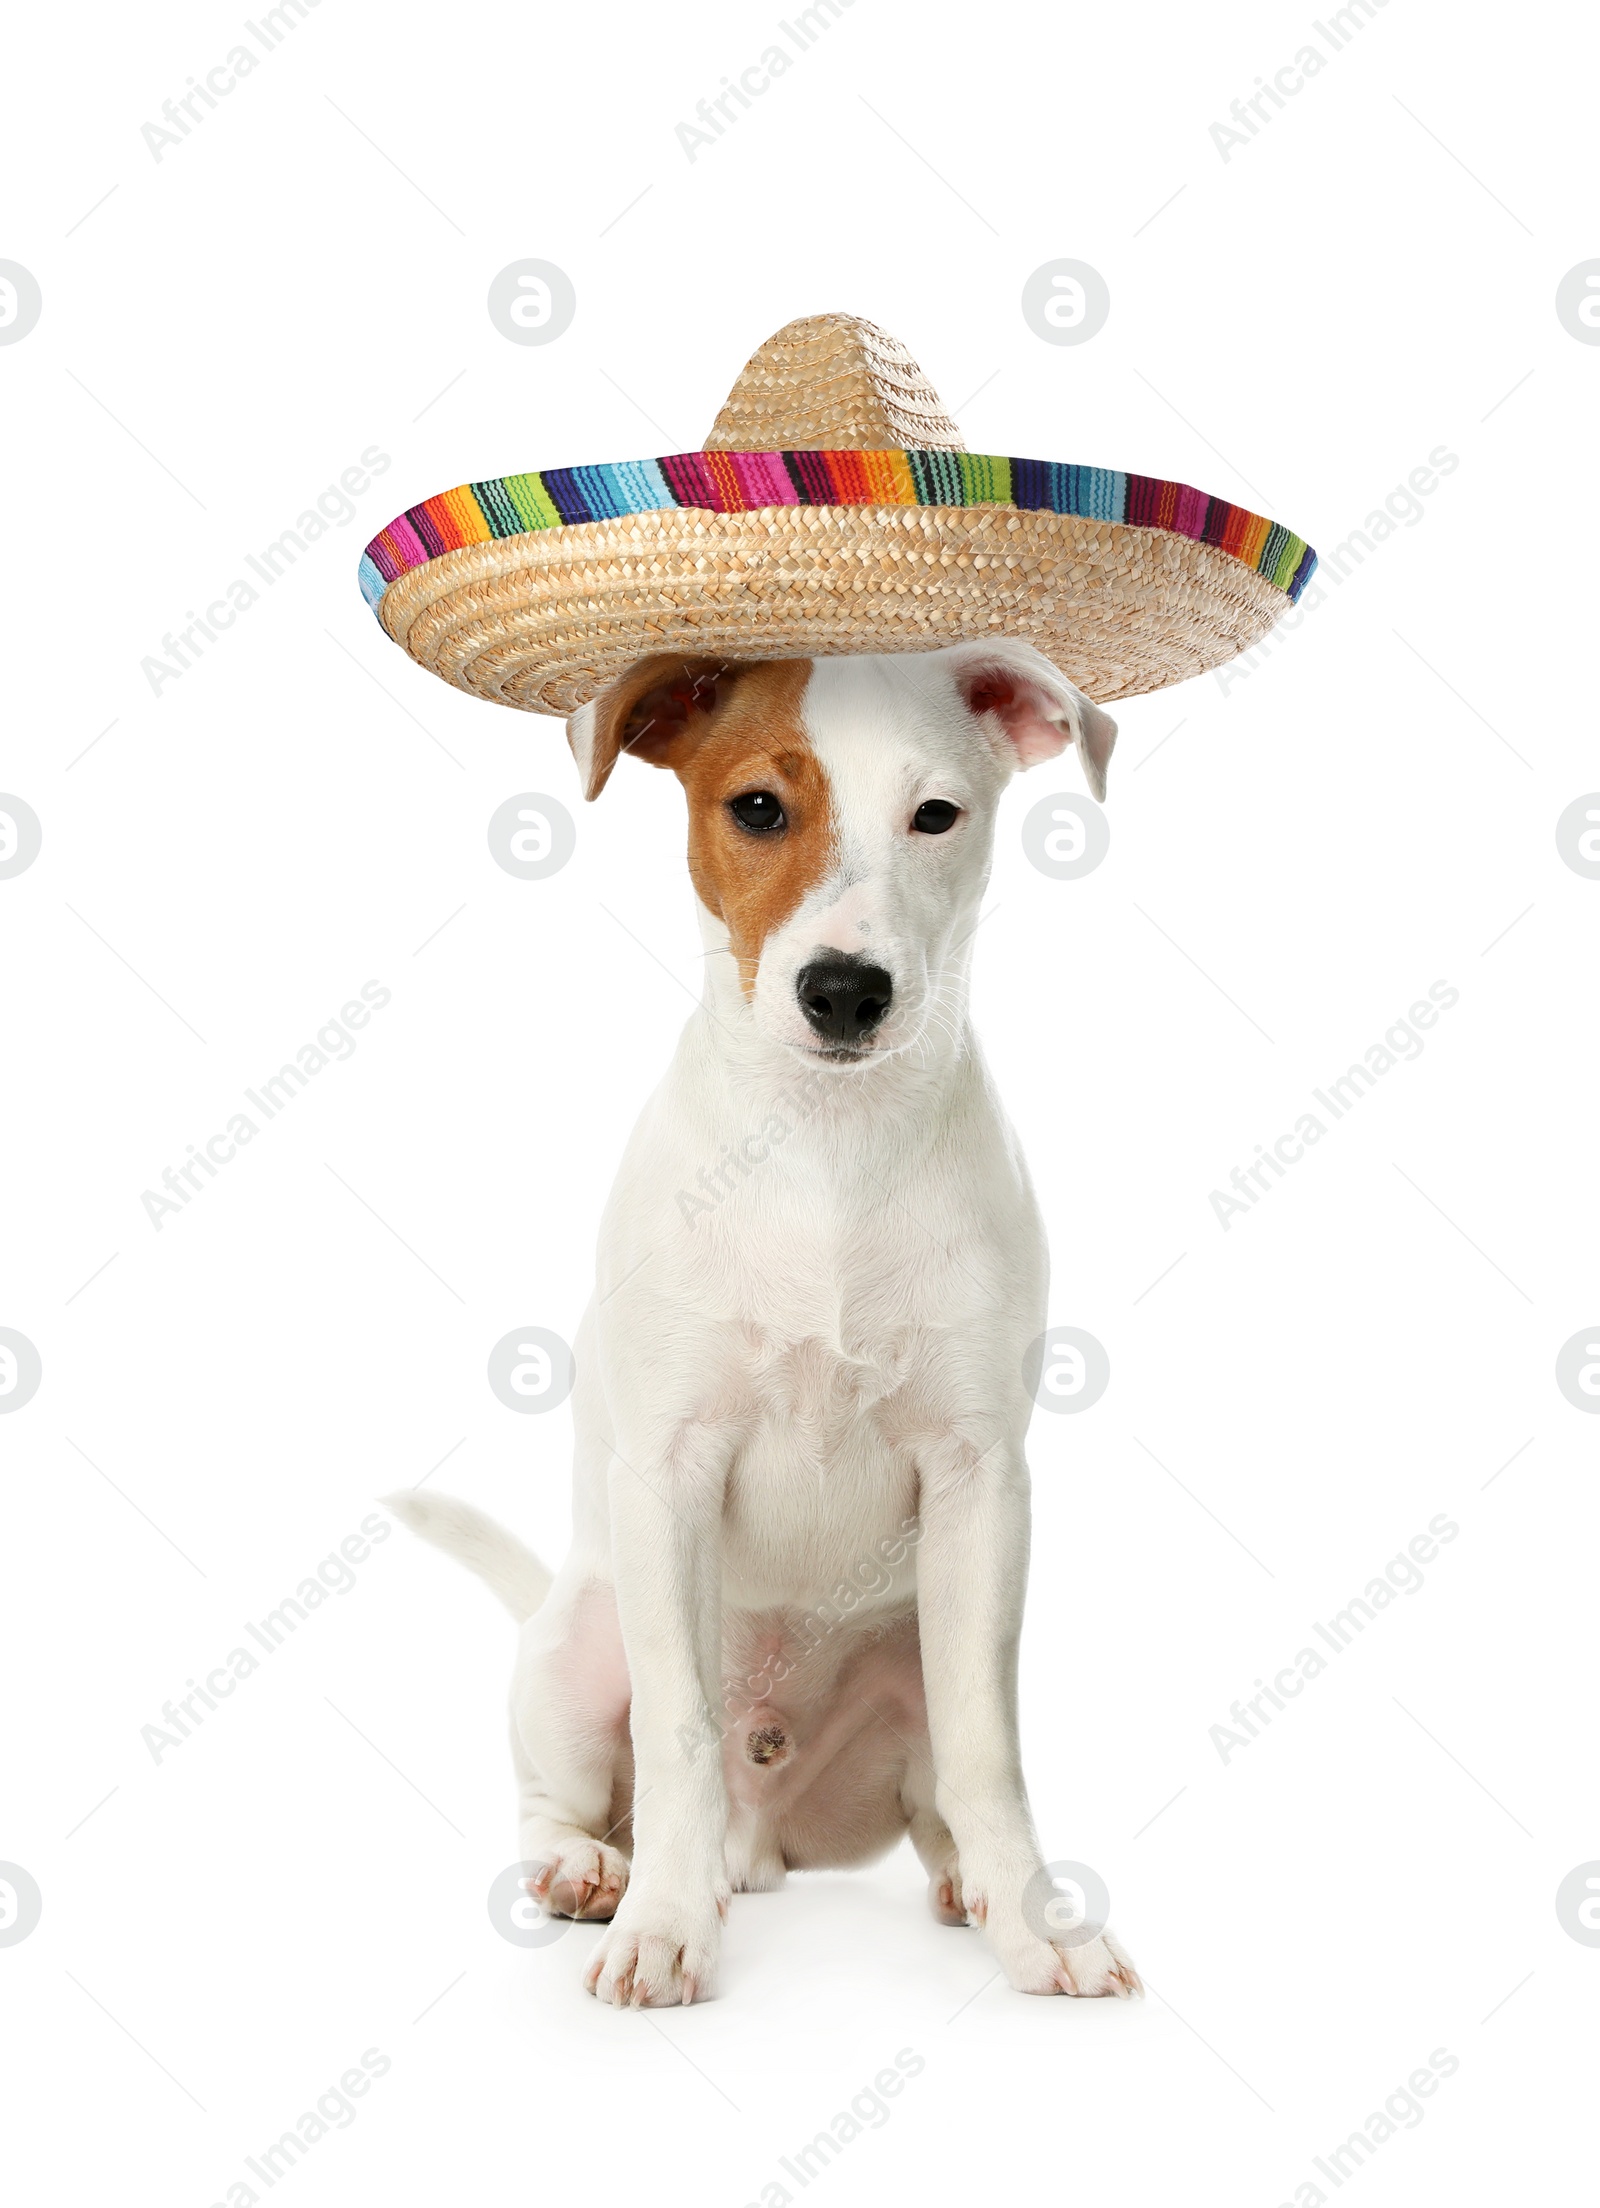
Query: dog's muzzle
(843, 998)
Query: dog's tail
(473, 1539)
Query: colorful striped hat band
(833, 510)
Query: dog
(787, 1630)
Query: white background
(1370, 810)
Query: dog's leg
(935, 1845)
(972, 1568)
(930, 1835)
(666, 1512)
(569, 1718)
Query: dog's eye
(757, 810)
(936, 817)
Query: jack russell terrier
(787, 1629)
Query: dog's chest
(821, 1482)
(804, 1254)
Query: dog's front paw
(1037, 1964)
(658, 1954)
(1095, 1967)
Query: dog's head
(841, 817)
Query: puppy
(787, 1629)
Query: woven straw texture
(819, 520)
(837, 383)
(1119, 610)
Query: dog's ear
(1037, 710)
(648, 712)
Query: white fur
(815, 1288)
(513, 1571)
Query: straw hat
(834, 509)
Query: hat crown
(833, 383)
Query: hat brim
(536, 591)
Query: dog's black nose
(843, 997)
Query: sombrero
(834, 509)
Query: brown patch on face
(726, 728)
(755, 740)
